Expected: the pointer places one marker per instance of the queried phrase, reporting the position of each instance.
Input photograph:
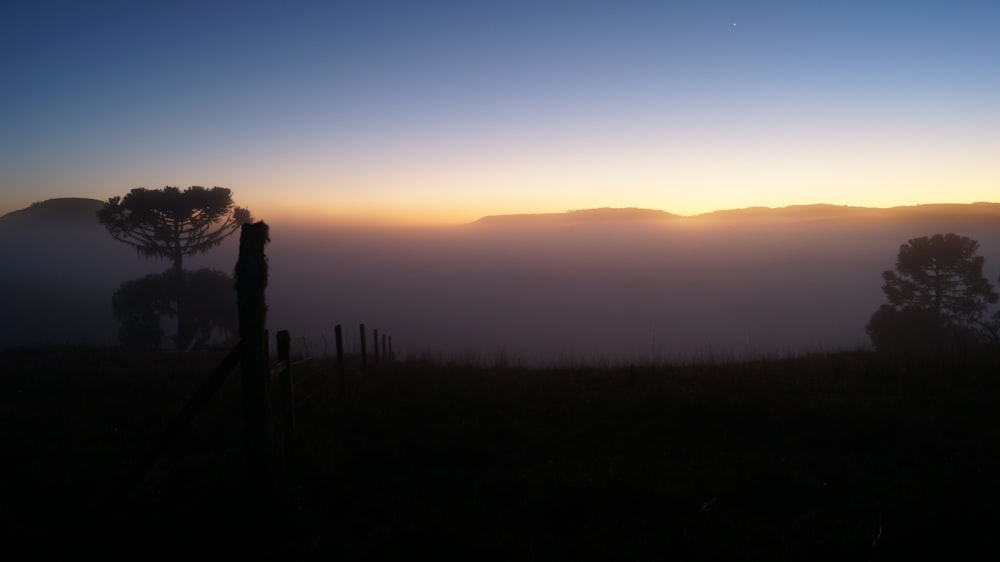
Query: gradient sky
(444, 111)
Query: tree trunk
(182, 339)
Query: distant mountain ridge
(816, 212)
(603, 214)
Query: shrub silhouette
(141, 304)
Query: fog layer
(552, 291)
(537, 289)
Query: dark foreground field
(835, 457)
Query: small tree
(169, 223)
(937, 295)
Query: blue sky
(421, 112)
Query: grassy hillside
(813, 458)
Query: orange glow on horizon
(425, 216)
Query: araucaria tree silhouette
(937, 296)
(169, 224)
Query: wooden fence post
(375, 355)
(284, 340)
(364, 351)
(251, 280)
(392, 357)
(385, 348)
(340, 361)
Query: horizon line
(374, 220)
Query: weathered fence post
(392, 357)
(375, 354)
(385, 348)
(251, 280)
(284, 340)
(340, 361)
(364, 350)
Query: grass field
(843, 456)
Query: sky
(440, 112)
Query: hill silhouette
(63, 210)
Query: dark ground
(829, 457)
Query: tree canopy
(169, 223)
(936, 295)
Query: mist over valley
(582, 286)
